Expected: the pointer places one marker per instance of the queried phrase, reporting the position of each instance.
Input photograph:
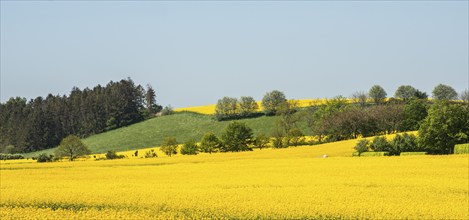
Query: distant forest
(41, 123)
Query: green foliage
(445, 126)
(210, 143)
(170, 146)
(11, 156)
(405, 92)
(295, 137)
(278, 136)
(42, 158)
(150, 153)
(374, 154)
(111, 155)
(42, 123)
(415, 111)
(183, 126)
(287, 119)
(380, 143)
(420, 95)
(226, 108)
(261, 141)
(72, 147)
(190, 147)
(404, 143)
(410, 143)
(150, 101)
(167, 110)
(412, 153)
(362, 146)
(396, 144)
(237, 137)
(461, 148)
(272, 101)
(318, 117)
(444, 92)
(9, 149)
(377, 94)
(247, 106)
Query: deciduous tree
(169, 146)
(247, 106)
(444, 92)
(377, 94)
(210, 143)
(237, 137)
(405, 92)
(272, 101)
(445, 126)
(71, 147)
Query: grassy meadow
(151, 133)
(292, 183)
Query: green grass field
(150, 133)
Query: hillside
(210, 109)
(151, 133)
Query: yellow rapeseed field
(293, 183)
(210, 109)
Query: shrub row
(42, 158)
(371, 154)
(11, 156)
(111, 155)
(412, 153)
(400, 143)
(461, 149)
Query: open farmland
(210, 109)
(288, 183)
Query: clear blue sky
(194, 53)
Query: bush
(237, 137)
(150, 154)
(168, 110)
(461, 149)
(261, 141)
(295, 137)
(374, 154)
(410, 143)
(111, 155)
(210, 143)
(11, 156)
(45, 158)
(362, 146)
(380, 144)
(277, 142)
(412, 153)
(189, 148)
(170, 146)
(404, 143)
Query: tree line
(441, 124)
(41, 123)
(364, 115)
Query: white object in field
(324, 156)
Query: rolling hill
(151, 133)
